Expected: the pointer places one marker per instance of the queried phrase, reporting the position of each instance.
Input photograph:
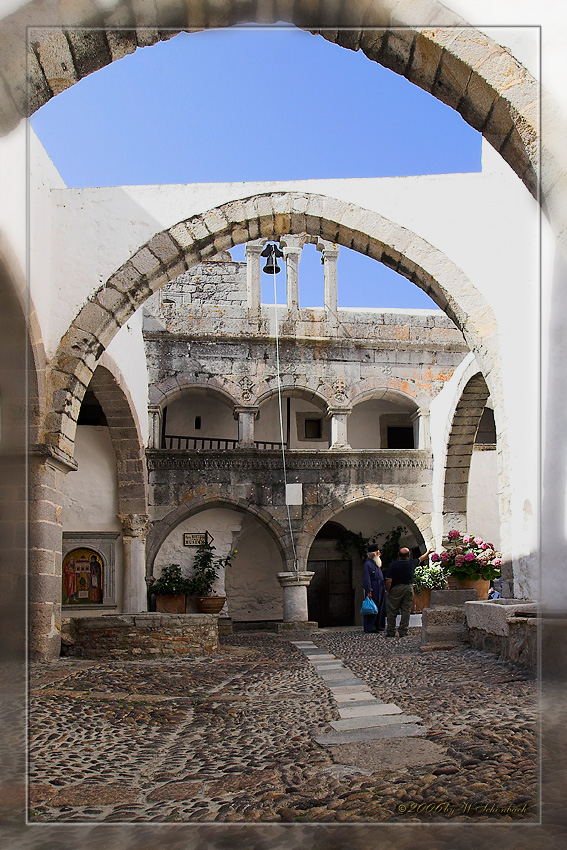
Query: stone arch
(294, 391)
(213, 499)
(464, 425)
(391, 391)
(191, 242)
(164, 392)
(368, 493)
(430, 46)
(107, 385)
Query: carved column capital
(134, 525)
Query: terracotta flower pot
(210, 604)
(481, 585)
(421, 600)
(170, 603)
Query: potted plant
(205, 573)
(170, 590)
(470, 562)
(427, 577)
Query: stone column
(134, 592)
(154, 429)
(294, 585)
(421, 430)
(292, 247)
(47, 469)
(253, 270)
(339, 419)
(330, 257)
(246, 417)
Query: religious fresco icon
(83, 572)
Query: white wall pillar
(246, 417)
(253, 284)
(134, 594)
(339, 427)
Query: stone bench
(507, 627)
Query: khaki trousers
(399, 600)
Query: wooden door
(330, 595)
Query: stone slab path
(363, 717)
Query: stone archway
(191, 242)
(368, 493)
(460, 445)
(126, 439)
(432, 47)
(211, 499)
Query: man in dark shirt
(399, 587)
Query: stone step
(344, 680)
(373, 733)
(349, 689)
(379, 707)
(369, 709)
(377, 720)
(353, 696)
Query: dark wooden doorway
(330, 595)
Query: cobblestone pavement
(231, 737)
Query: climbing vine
(349, 541)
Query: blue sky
(258, 104)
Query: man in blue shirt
(399, 587)
(375, 587)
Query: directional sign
(196, 538)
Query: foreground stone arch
(188, 243)
(163, 527)
(432, 47)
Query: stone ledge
(494, 617)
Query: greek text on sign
(196, 538)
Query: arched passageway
(335, 593)
(250, 584)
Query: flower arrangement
(469, 557)
(429, 577)
(205, 570)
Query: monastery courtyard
(233, 737)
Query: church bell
(271, 252)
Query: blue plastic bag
(368, 607)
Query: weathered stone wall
(518, 646)
(413, 352)
(123, 636)
(257, 477)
